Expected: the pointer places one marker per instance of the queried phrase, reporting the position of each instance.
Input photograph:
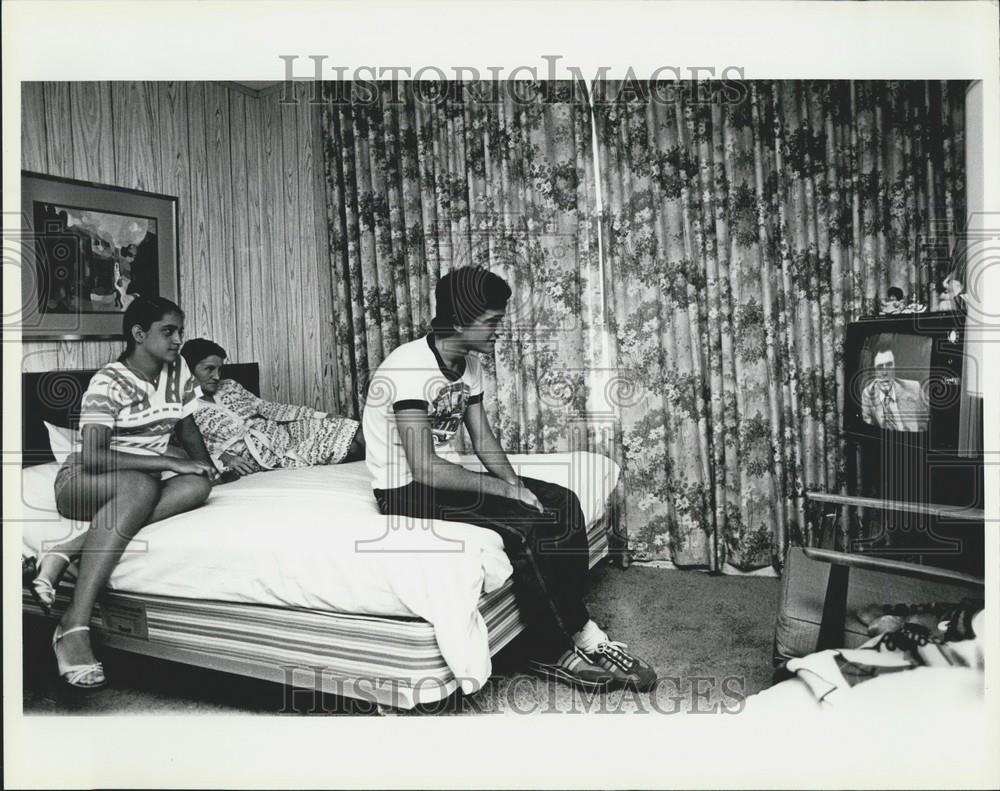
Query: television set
(910, 411)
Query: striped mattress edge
(389, 661)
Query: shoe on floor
(574, 667)
(625, 668)
(88, 676)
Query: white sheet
(314, 538)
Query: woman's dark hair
(197, 349)
(465, 293)
(144, 311)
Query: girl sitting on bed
(116, 479)
(248, 434)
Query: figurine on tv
(951, 290)
(893, 302)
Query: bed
(293, 576)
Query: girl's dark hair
(465, 293)
(144, 311)
(197, 349)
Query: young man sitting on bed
(248, 434)
(418, 398)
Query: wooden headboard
(54, 396)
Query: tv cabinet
(934, 534)
(928, 509)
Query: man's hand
(524, 495)
(234, 462)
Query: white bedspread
(314, 539)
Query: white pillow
(62, 440)
(40, 522)
(37, 494)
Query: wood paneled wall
(247, 170)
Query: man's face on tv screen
(885, 369)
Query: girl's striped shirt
(141, 416)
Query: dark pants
(549, 551)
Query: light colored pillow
(40, 521)
(62, 440)
(37, 494)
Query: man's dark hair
(197, 349)
(894, 293)
(884, 346)
(465, 293)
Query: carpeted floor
(709, 638)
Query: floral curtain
(744, 225)
(426, 177)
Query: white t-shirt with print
(414, 377)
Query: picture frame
(87, 250)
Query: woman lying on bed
(116, 479)
(248, 434)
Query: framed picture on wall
(87, 250)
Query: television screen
(893, 375)
(916, 429)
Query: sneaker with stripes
(576, 668)
(625, 669)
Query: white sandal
(42, 590)
(73, 674)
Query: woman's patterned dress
(269, 435)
